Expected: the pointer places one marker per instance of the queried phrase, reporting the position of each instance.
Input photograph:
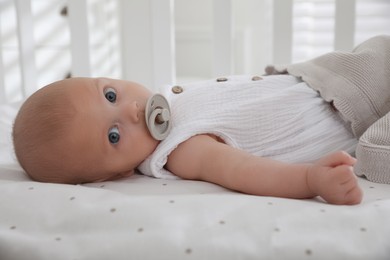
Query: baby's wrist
(311, 177)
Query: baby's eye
(110, 94)
(113, 135)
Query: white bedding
(146, 218)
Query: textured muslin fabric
(276, 117)
(358, 83)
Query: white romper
(279, 117)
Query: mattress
(145, 218)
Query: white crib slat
(282, 31)
(147, 42)
(345, 24)
(136, 42)
(26, 46)
(163, 42)
(223, 37)
(78, 23)
(2, 85)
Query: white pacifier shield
(157, 116)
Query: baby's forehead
(77, 83)
(80, 91)
(85, 140)
(87, 126)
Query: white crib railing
(149, 57)
(148, 39)
(345, 24)
(78, 25)
(26, 47)
(2, 87)
(223, 37)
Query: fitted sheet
(145, 218)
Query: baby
(88, 130)
(268, 136)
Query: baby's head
(83, 130)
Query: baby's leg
(333, 179)
(373, 152)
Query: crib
(145, 218)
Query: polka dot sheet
(144, 218)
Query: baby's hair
(39, 130)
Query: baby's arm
(202, 157)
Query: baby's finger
(336, 159)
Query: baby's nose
(132, 111)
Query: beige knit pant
(359, 84)
(373, 152)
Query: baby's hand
(333, 179)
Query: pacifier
(158, 115)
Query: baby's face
(110, 129)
